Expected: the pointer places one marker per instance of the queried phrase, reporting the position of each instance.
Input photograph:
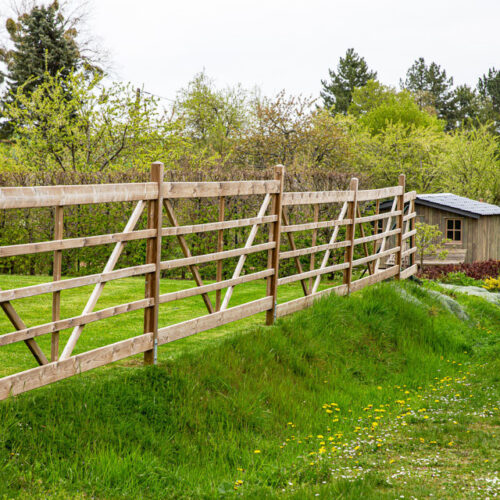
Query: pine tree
(352, 72)
(42, 44)
(431, 88)
(489, 89)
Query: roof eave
(446, 208)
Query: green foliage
(352, 71)
(43, 45)
(489, 89)
(378, 106)
(77, 124)
(471, 164)
(432, 88)
(429, 242)
(213, 118)
(459, 278)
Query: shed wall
(480, 237)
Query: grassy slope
(303, 394)
(37, 310)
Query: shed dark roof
(458, 204)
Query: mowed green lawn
(38, 310)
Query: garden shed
(473, 227)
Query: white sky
(290, 44)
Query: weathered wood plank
(313, 250)
(350, 232)
(379, 194)
(409, 216)
(217, 226)
(410, 195)
(274, 257)
(59, 370)
(19, 324)
(409, 271)
(375, 237)
(310, 197)
(311, 274)
(313, 244)
(191, 292)
(315, 225)
(216, 189)
(220, 248)
(371, 218)
(410, 251)
(51, 196)
(209, 321)
(374, 278)
(303, 302)
(153, 256)
(370, 258)
(69, 243)
(409, 234)
(400, 225)
(91, 279)
(56, 276)
(84, 319)
(212, 257)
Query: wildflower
(256, 451)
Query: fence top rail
(215, 189)
(379, 194)
(311, 197)
(50, 196)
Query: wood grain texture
(51, 196)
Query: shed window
(454, 229)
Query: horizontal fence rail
(358, 244)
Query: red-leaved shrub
(477, 270)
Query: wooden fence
(387, 241)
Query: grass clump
(297, 409)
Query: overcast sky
(289, 44)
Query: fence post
(220, 248)
(399, 239)
(56, 276)
(412, 228)
(275, 235)
(153, 256)
(350, 233)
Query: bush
(476, 270)
(492, 284)
(460, 278)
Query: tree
(471, 164)
(77, 124)
(377, 106)
(429, 242)
(431, 87)
(467, 107)
(489, 89)
(213, 118)
(43, 43)
(352, 71)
